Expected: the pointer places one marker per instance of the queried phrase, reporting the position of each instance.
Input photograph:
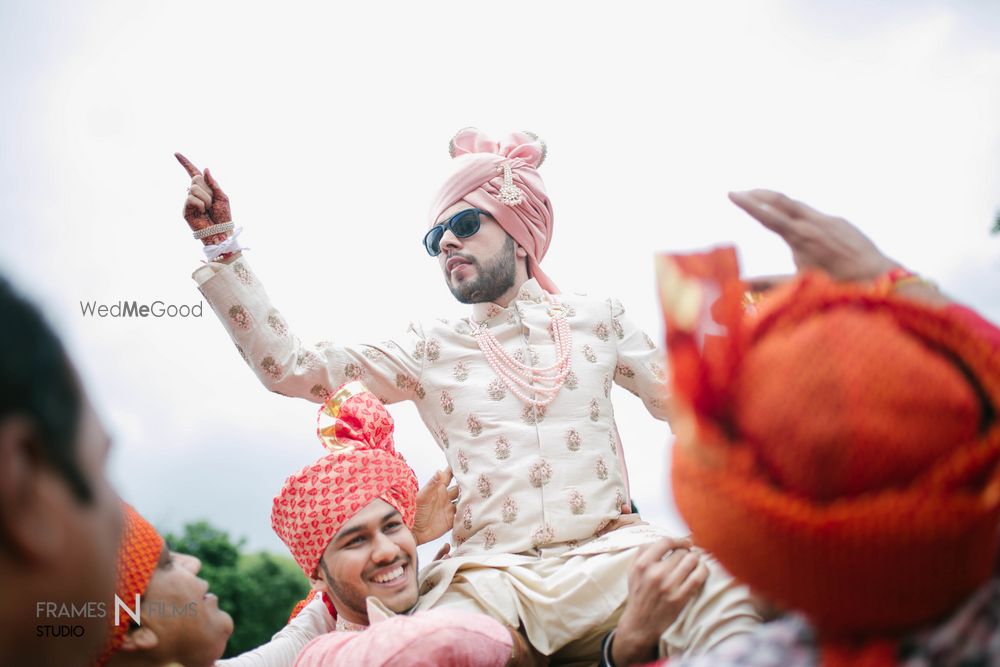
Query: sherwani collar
(377, 612)
(343, 625)
(530, 293)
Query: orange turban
(363, 465)
(837, 450)
(138, 555)
(502, 177)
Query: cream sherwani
(536, 484)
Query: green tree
(996, 224)
(258, 589)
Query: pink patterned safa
(363, 465)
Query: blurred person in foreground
(839, 450)
(59, 516)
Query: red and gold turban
(502, 177)
(138, 556)
(362, 465)
(838, 450)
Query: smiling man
(372, 555)
(352, 521)
(367, 574)
(345, 517)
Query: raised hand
(435, 513)
(206, 203)
(818, 241)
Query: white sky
(328, 126)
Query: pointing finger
(186, 163)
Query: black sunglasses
(463, 225)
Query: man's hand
(626, 519)
(206, 203)
(663, 577)
(823, 242)
(435, 513)
(818, 241)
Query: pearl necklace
(516, 375)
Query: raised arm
(829, 244)
(391, 369)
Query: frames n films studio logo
(61, 615)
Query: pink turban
(517, 201)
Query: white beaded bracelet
(221, 228)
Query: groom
(517, 394)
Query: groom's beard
(494, 280)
